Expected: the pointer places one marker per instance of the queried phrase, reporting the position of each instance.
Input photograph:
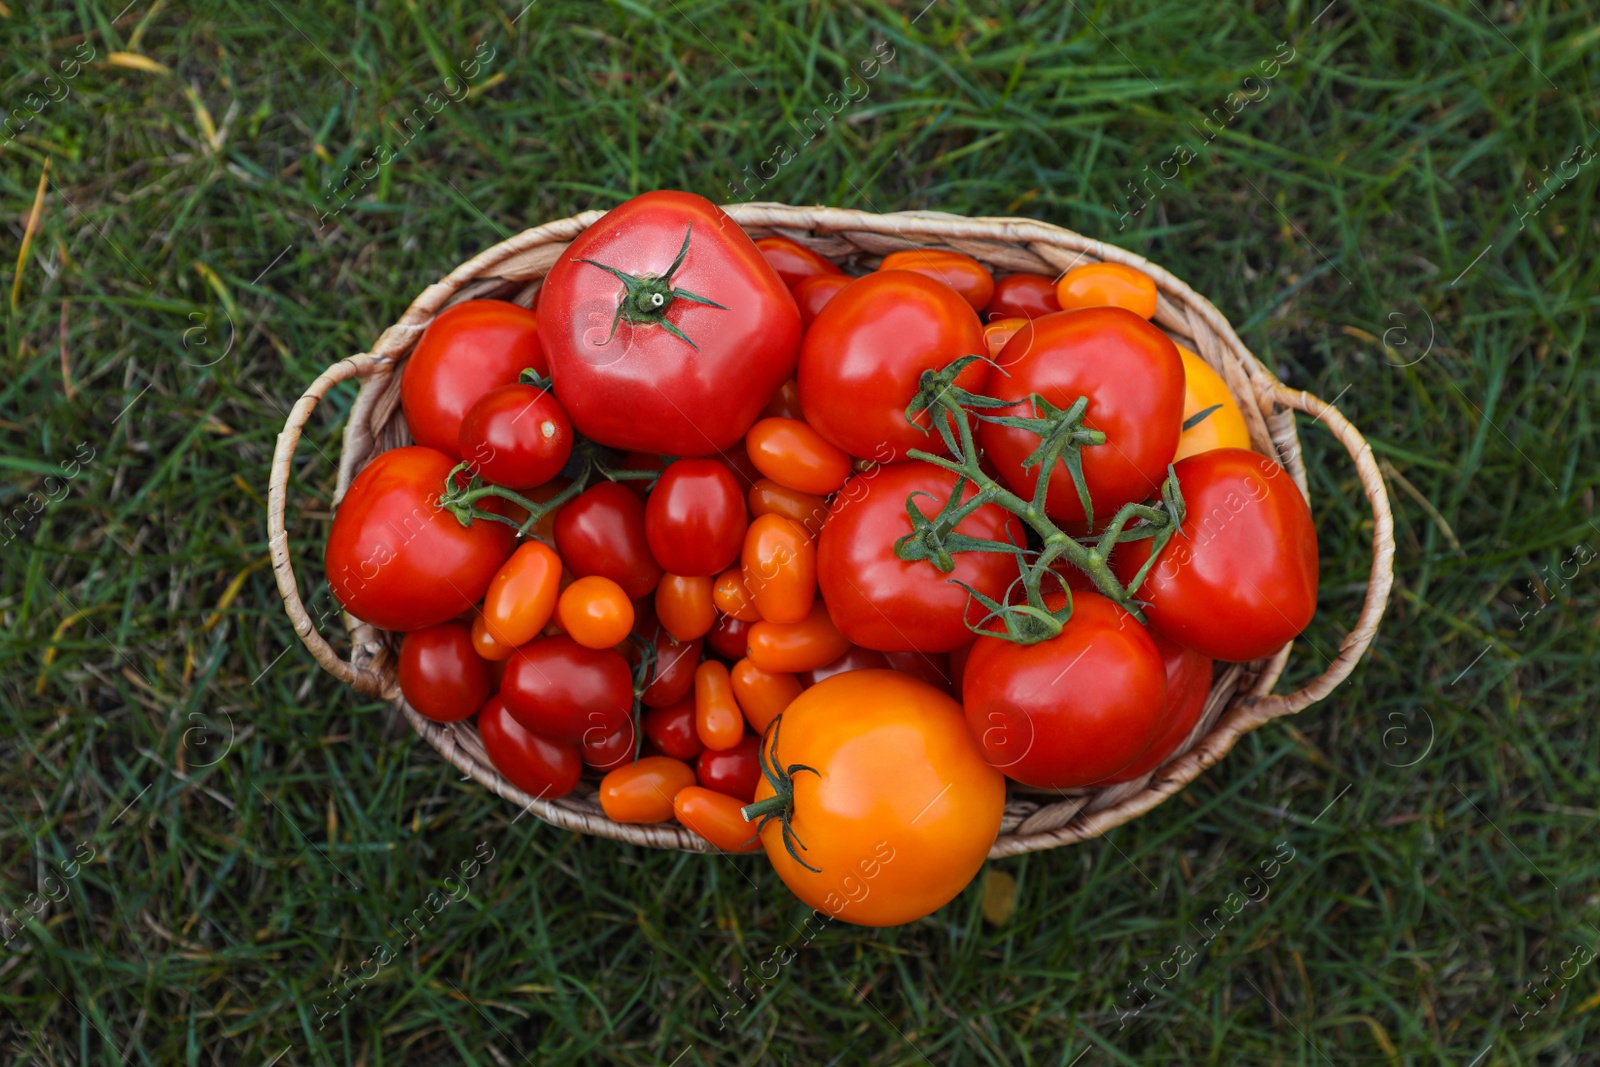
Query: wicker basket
(513, 270)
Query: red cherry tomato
(1099, 285)
(685, 607)
(728, 637)
(561, 690)
(516, 436)
(441, 676)
(673, 731)
(717, 717)
(790, 647)
(792, 454)
(674, 675)
(695, 518)
(1188, 689)
(762, 695)
(522, 595)
(642, 792)
(793, 261)
(603, 532)
(956, 269)
(608, 751)
(785, 403)
(536, 765)
(466, 351)
(396, 560)
(595, 612)
(779, 566)
(1023, 296)
(734, 771)
(767, 497)
(813, 294)
(716, 817)
(855, 658)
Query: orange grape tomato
(642, 791)
(785, 403)
(685, 607)
(717, 718)
(762, 695)
(797, 646)
(791, 453)
(484, 644)
(1101, 285)
(595, 612)
(1203, 389)
(717, 817)
(767, 497)
(780, 568)
(732, 597)
(956, 269)
(522, 594)
(998, 332)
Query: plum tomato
(522, 595)
(561, 690)
(792, 454)
(642, 792)
(732, 597)
(767, 497)
(1223, 424)
(485, 645)
(733, 771)
(779, 566)
(790, 647)
(717, 718)
(673, 679)
(602, 532)
(793, 261)
(441, 676)
(728, 637)
(1100, 285)
(1188, 687)
(595, 612)
(813, 294)
(762, 695)
(516, 436)
(536, 765)
(1023, 296)
(672, 730)
(716, 817)
(466, 351)
(695, 518)
(685, 606)
(956, 269)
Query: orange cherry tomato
(684, 606)
(1204, 388)
(792, 454)
(785, 403)
(788, 647)
(522, 594)
(767, 497)
(1102, 285)
(732, 597)
(956, 269)
(717, 818)
(762, 695)
(793, 261)
(998, 332)
(642, 791)
(484, 644)
(779, 564)
(717, 718)
(595, 612)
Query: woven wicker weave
(1241, 697)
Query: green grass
(246, 828)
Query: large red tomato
(681, 356)
(1241, 579)
(398, 561)
(469, 349)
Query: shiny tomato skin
(536, 765)
(1133, 377)
(717, 718)
(516, 436)
(522, 595)
(791, 647)
(1204, 389)
(762, 695)
(1241, 580)
(466, 351)
(595, 612)
(645, 389)
(716, 817)
(695, 518)
(1073, 710)
(675, 665)
(793, 261)
(998, 333)
(672, 730)
(779, 567)
(767, 497)
(685, 606)
(732, 597)
(396, 560)
(813, 294)
(608, 751)
(642, 791)
(880, 601)
(733, 771)
(956, 269)
(561, 690)
(485, 645)
(441, 675)
(1097, 285)
(602, 532)
(792, 454)
(728, 637)
(1188, 687)
(855, 658)
(863, 358)
(1023, 296)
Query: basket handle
(1381, 577)
(363, 680)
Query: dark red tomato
(729, 637)
(603, 532)
(672, 729)
(930, 667)
(855, 658)
(536, 765)
(695, 518)
(958, 667)
(1188, 688)
(561, 690)
(469, 349)
(395, 559)
(441, 676)
(956, 269)
(734, 771)
(1023, 296)
(662, 370)
(880, 601)
(785, 403)
(1071, 711)
(737, 460)
(674, 677)
(1133, 376)
(863, 358)
(516, 436)
(813, 294)
(1241, 580)
(793, 261)
(608, 751)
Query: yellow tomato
(1204, 388)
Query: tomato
(642, 792)
(737, 460)
(1204, 388)
(813, 294)
(999, 332)
(608, 751)
(685, 376)
(734, 771)
(695, 518)
(793, 261)
(855, 658)
(785, 403)
(1100, 285)
(788, 647)
(780, 568)
(674, 672)
(602, 532)
(536, 765)
(794, 455)
(956, 269)
(466, 351)
(728, 637)
(1240, 581)
(516, 436)
(398, 561)
(1023, 296)
(930, 667)
(441, 676)
(862, 361)
(560, 690)
(732, 596)
(545, 528)
(1188, 689)
(715, 817)
(685, 607)
(484, 643)
(900, 810)
(762, 695)
(522, 594)
(881, 601)
(673, 731)
(767, 497)
(717, 718)
(595, 612)
(1133, 377)
(958, 666)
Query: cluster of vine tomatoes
(763, 546)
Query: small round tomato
(733, 771)
(762, 695)
(441, 676)
(793, 261)
(1023, 296)
(516, 436)
(729, 637)
(607, 751)
(792, 454)
(855, 658)
(522, 594)
(717, 718)
(603, 532)
(789, 647)
(536, 765)
(715, 817)
(767, 497)
(785, 403)
(1204, 391)
(466, 351)
(642, 792)
(780, 568)
(595, 612)
(673, 731)
(1188, 688)
(484, 643)
(999, 332)
(685, 607)
(560, 690)
(813, 294)
(695, 519)
(673, 678)
(956, 269)
(1102, 285)
(732, 597)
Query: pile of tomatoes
(814, 562)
